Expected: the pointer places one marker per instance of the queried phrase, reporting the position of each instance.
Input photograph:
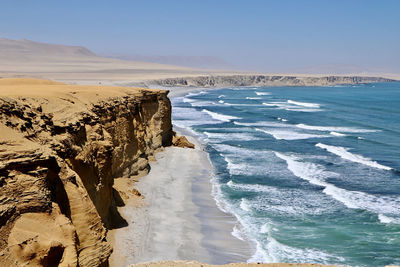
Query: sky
(262, 35)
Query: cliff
(264, 80)
(61, 146)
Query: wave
(188, 100)
(230, 104)
(334, 129)
(262, 93)
(280, 134)
(289, 106)
(187, 117)
(221, 101)
(304, 104)
(221, 96)
(196, 93)
(273, 104)
(281, 119)
(385, 219)
(197, 103)
(281, 252)
(344, 153)
(389, 207)
(252, 187)
(269, 250)
(337, 134)
(262, 124)
(253, 98)
(231, 136)
(220, 117)
(244, 205)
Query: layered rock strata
(264, 80)
(61, 146)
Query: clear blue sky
(265, 35)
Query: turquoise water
(311, 173)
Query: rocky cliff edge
(61, 146)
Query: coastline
(177, 218)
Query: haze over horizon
(271, 36)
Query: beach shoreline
(177, 218)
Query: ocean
(310, 173)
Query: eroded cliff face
(265, 80)
(60, 149)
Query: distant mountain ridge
(25, 49)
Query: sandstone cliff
(265, 80)
(61, 146)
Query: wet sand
(177, 219)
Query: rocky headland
(61, 147)
(264, 80)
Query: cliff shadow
(115, 219)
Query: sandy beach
(177, 218)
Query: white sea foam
(273, 104)
(262, 124)
(187, 117)
(221, 101)
(291, 107)
(311, 172)
(280, 252)
(271, 250)
(230, 104)
(221, 96)
(344, 153)
(337, 134)
(231, 136)
(220, 117)
(244, 205)
(304, 104)
(188, 100)
(252, 187)
(333, 128)
(235, 168)
(238, 232)
(385, 219)
(253, 98)
(262, 93)
(265, 228)
(316, 174)
(281, 119)
(282, 134)
(196, 93)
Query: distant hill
(21, 50)
(25, 58)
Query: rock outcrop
(181, 141)
(61, 146)
(264, 80)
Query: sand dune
(22, 58)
